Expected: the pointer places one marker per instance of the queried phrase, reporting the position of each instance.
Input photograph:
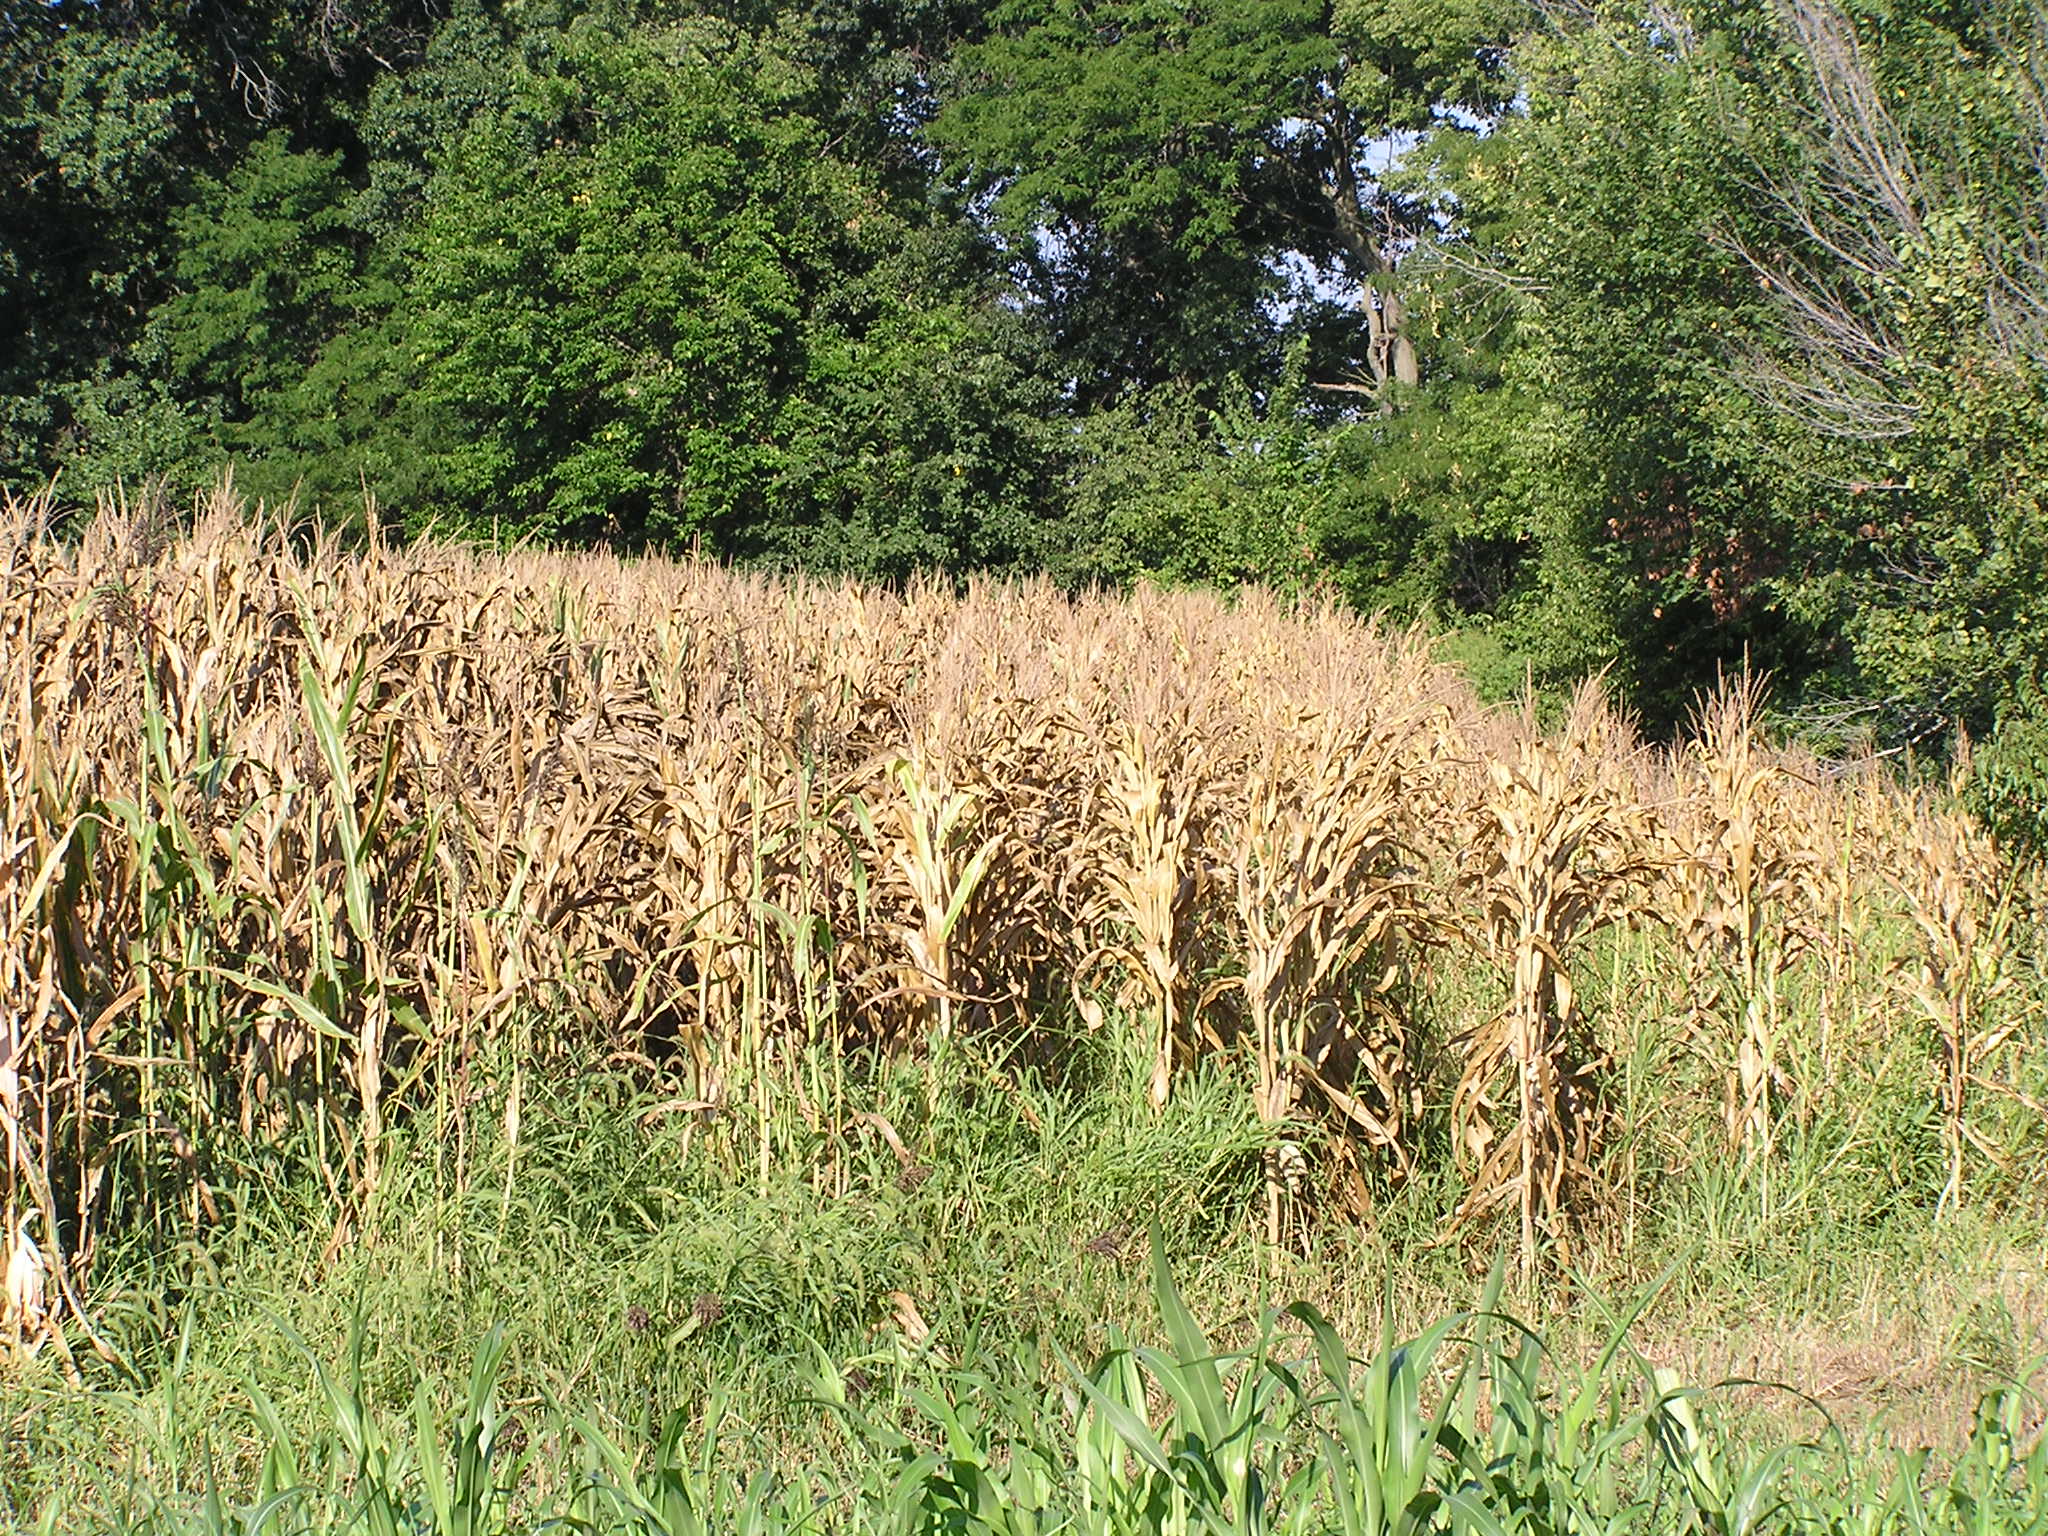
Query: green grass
(617, 1323)
(1470, 1427)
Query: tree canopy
(1653, 338)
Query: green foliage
(1721, 408)
(578, 278)
(1186, 189)
(90, 128)
(268, 274)
(112, 116)
(933, 434)
(2008, 784)
(613, 326)
(1570, 470)
(120, 102)
(1137, 119)
(1470, 1429)
(682, 319)
(1182, 494)
(1923, 442)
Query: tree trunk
(1390, 354)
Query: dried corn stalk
(1957, 977)
(1322, 891)
(1745, 897)
(1152, 873)
(930, 830)
(1560, 852)
(296, 835)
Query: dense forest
(1659, 336)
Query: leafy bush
(2008, 784)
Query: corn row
(292, 836)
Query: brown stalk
(1562, 851)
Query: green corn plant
(280, 1486)
(439, 1481)
(1108, 1437)
(685, 1490)
(1999, 1484)
(1469, 1429)
(1571, 1450)
(356, 836)
(1380, 1449)
(1208, 1466)
(988, 1478)
(459, 1484)
(375, 1465)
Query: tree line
(1656, 336)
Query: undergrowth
(597, 1312)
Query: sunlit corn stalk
(1842, 918)
(1152, 874)
(935, 845)
(181, 912)
(805, 910)
(707, 873)
(36, 853)
(1025, 932)
(1751, 900)
(1561, 851)
(1958, 974)
(340, 820)
(347, 847)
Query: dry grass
(289, 835)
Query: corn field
(295, 840)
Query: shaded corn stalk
(1322, 894)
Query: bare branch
(1437, 255)
(1857, 216)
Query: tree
(1572, 475)
(649, 303)
(1901, 236)
(1175, 180)
(111, 111)
(93, 127)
